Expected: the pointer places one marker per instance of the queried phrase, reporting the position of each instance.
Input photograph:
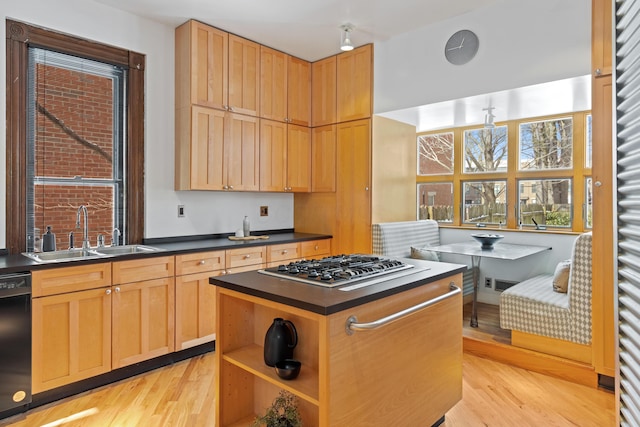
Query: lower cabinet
(142, 310)
(196, 298)
(142, 320)
(71, 337)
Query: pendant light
(488, 118)
(345, 39)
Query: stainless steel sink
(61, 256)
(125, 250)
(93, 253)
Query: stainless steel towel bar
(352, 325)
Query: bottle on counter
(48, 241)
(245, 226)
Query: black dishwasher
(15, 340)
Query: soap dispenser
(48, 241)
(245, 226)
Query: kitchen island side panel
(408, 372)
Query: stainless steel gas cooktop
(342, 270)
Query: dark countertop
(327, 301)
(170, 246)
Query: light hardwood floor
(494, 395)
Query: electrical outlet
(180, 211)
(264, 210)
(487, 282)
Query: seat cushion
(532, 306)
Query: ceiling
(310, 29)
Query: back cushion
(395, 239)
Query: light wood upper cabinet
(601, 43)
(242, 151)
(215, 69)
(298, 91)
(298, 158)
(273, 84)
(244, 76)
(220, 152)
(323, 92)
(285, 157)
(354, 84)
(323, 153)
(201, 66)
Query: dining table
(501, 251)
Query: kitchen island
(406, 373)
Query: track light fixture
(345, 40)
(488, 118)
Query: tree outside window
(485, 150)
(435, 154)
(546, 144)
(545, 201)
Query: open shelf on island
(251, 359)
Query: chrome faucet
(115, 237)
(85, 233)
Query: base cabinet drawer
(245, 259)
(315, 248)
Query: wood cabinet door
(71, 337)
(323, 155)
(142, 321)
(209, 68)
(354, 84)
(601, 45)
(273, 155)
(242, 152)
(603, 303)
(298, 159)
(244, 76)
(205, 167)
(195, 310)
(298, 91)
(273, 84)
(323, 92)
(353, 217)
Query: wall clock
(461, 47)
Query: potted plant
(283, 412)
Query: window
(546, 144)
(76, 159)
(485, 150)
(436, 201)
(545, 202)
(75, 141)
(485, 202)
(435, 154)
(520, 171)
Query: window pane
(435, 201)
(485, 150)
(435, 154)
(76, 145)
(485, 202)
(588, 136)
(546, 144)
(546, 201)
(588, 216)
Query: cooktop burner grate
(338, 270)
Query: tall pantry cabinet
(341, 108)
(603, 328)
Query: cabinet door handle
(284, 252)
(230, 108)
(108, 292)
(247, 256)
(316, 247)
(597, 183)
(230, 187)
(117, 289)
(201, 262)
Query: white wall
(206, 212)
(518, 270)
(521, 43)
